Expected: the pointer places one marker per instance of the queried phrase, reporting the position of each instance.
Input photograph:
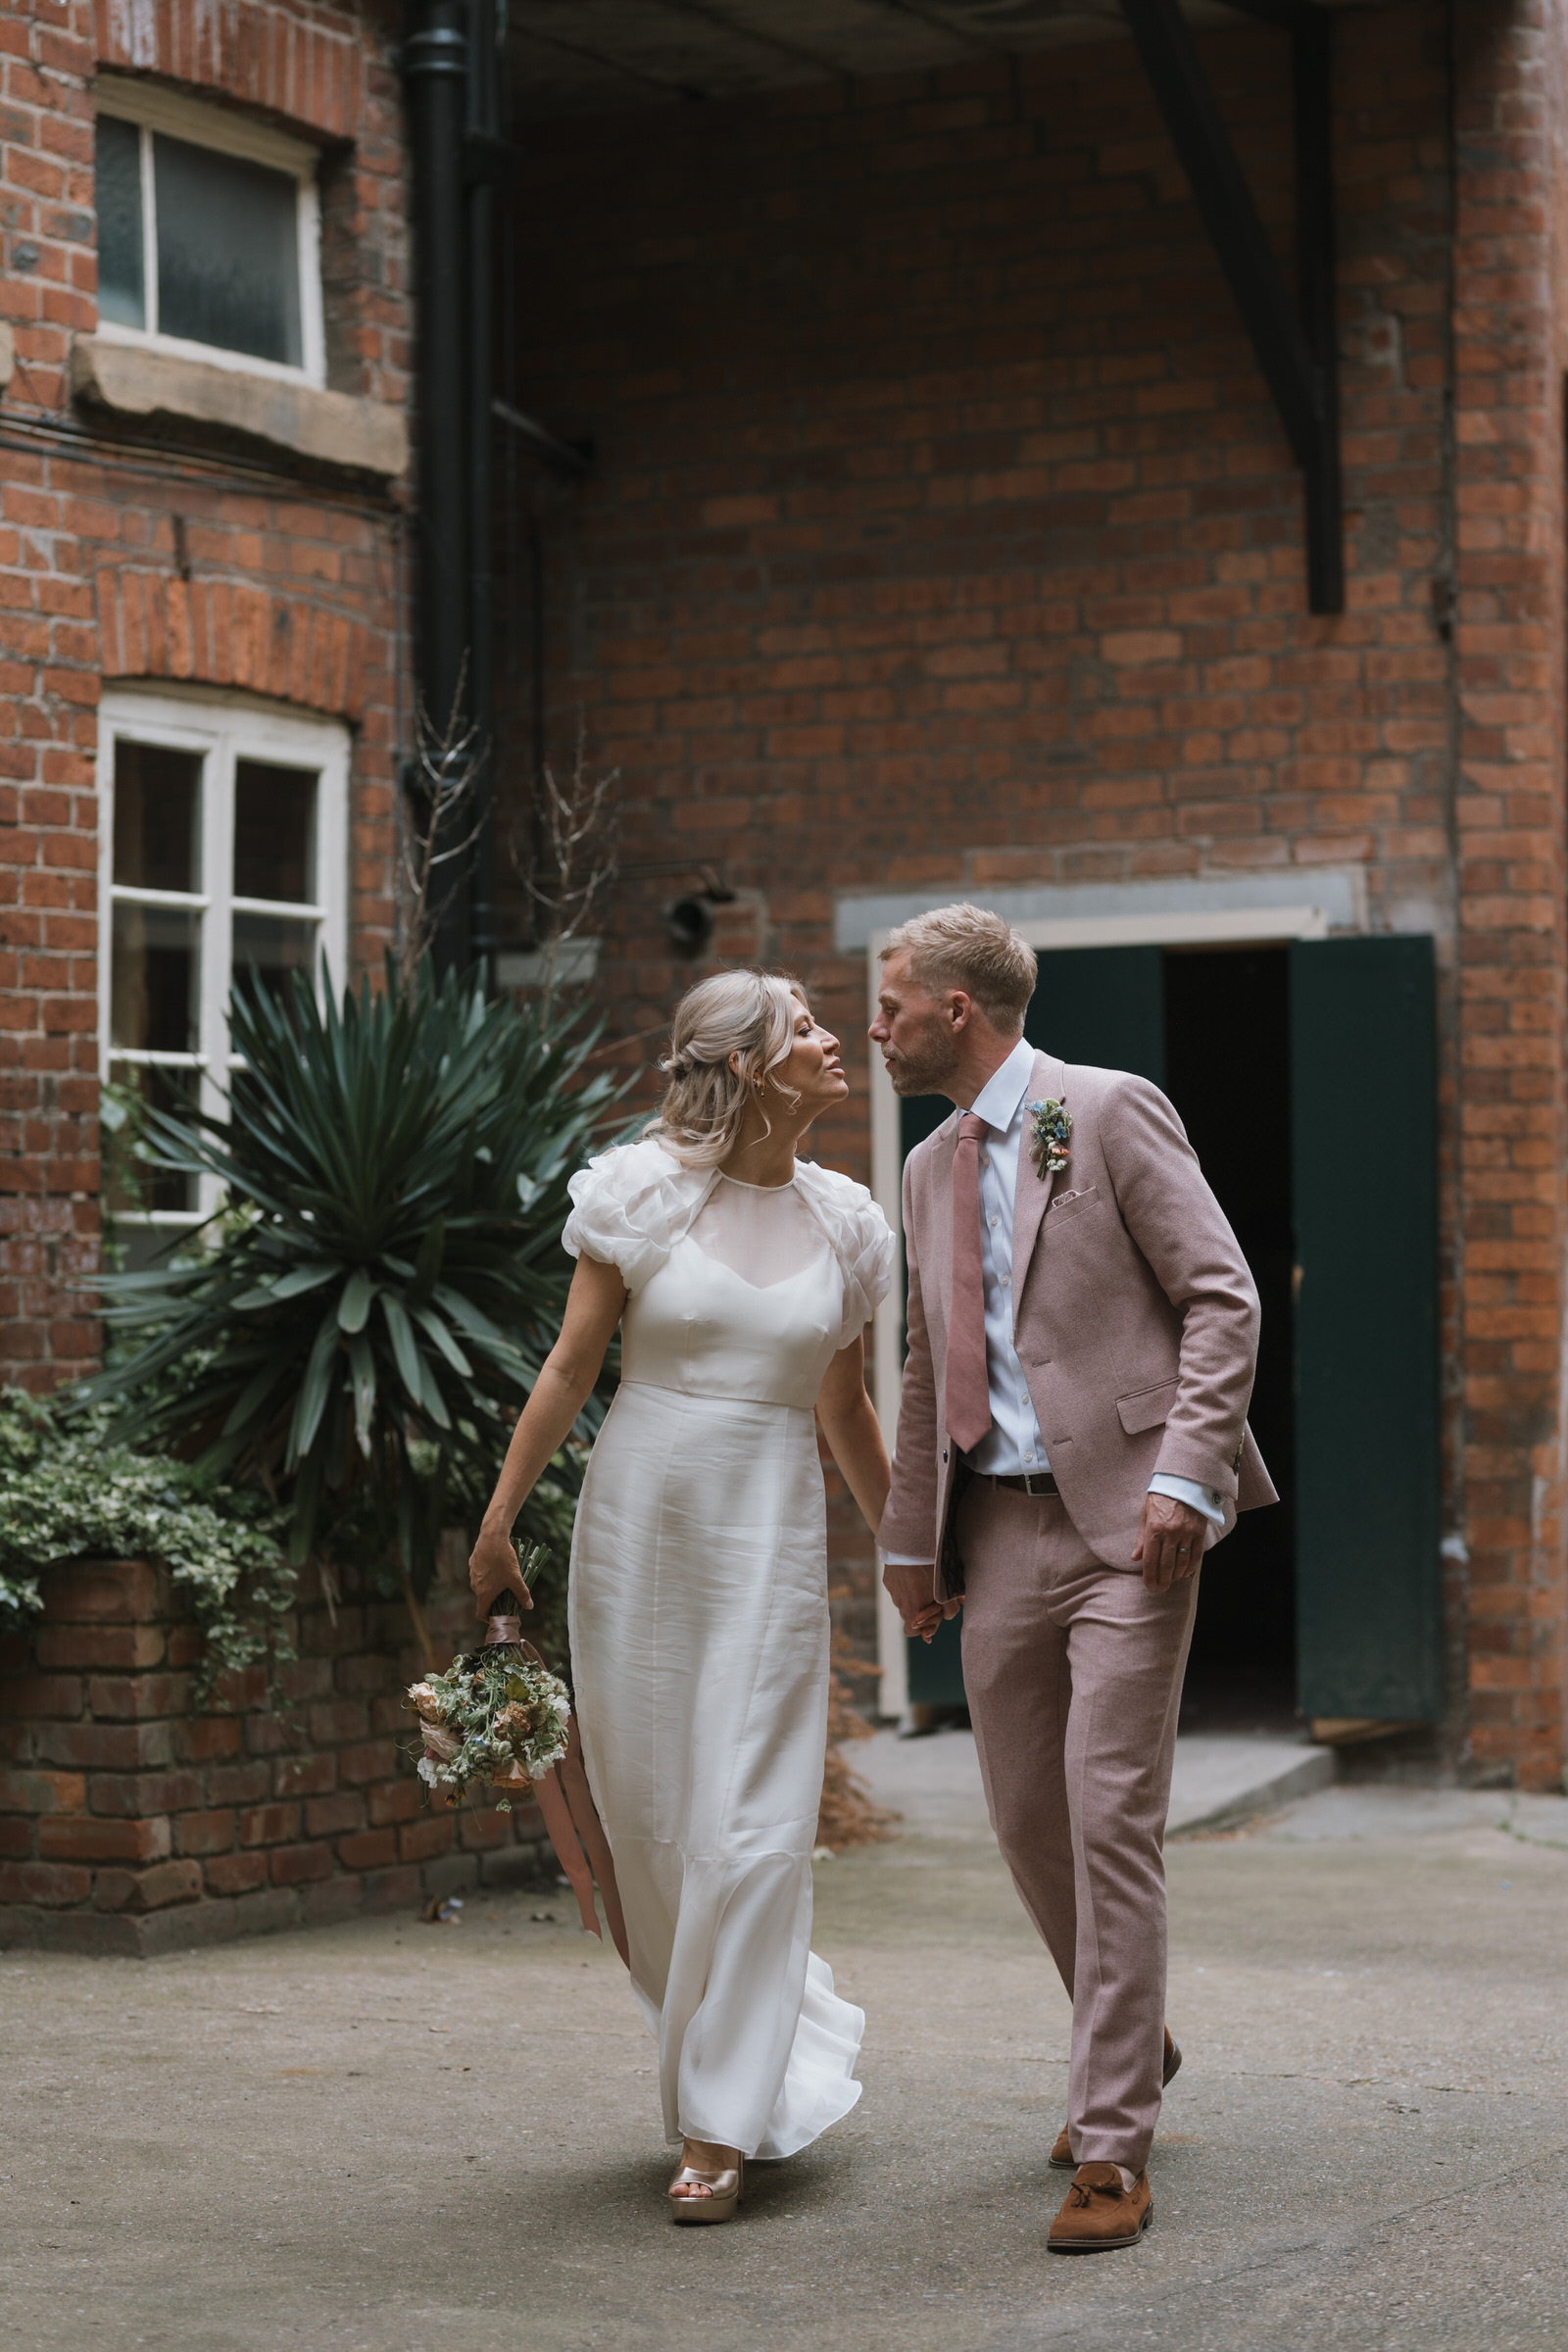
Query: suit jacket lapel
(1032, 1196)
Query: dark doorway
(1330, 1601)
(1228, 1072)
(1210, 1026)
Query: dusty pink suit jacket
(1135, 1318)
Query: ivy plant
(67, 1491)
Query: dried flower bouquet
(499, 1715)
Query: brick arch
(205, 632)
(290, 58)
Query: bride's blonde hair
(747, 1015)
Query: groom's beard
(924, 1066)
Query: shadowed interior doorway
(1289, 1065)
(1228, 1072)
(1210, 1026)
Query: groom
(1072, 1437)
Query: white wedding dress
(700, 1622)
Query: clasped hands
(1169, 1546)
(912, 1598)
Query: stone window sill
(331, 428)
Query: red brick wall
(128, 1824)
(943, 523)
(125, 559)
(1509, 323)
(943, 534)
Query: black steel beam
(1312, 58)
(1295, 353)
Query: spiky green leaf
(408, 1145)
(311, 1400)
(354, 1307)
(361, 1370)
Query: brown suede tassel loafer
(1100, 2214)
(1061, 2153)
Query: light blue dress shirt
(1012, 1446)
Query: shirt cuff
(905, 1560)
(1208, 1500)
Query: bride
(743, 1279)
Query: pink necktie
(968, 1398)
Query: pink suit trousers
(1073, 1672)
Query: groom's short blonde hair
(969, 947)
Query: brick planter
(131, 1822)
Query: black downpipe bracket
(1295, 344)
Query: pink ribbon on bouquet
(566, 1801)
(577, 1835)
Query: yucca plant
(376, 1295)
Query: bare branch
(578, 854)
(441, 834)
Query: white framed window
(209, 233)
(223, 848)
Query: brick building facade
(944, 539)
(179, 526)
(941, 536)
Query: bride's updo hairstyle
(747, 1018)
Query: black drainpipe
(485, 162)
(435, 69)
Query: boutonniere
(1050, 1134)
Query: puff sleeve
(630, 1206)
(861, 1240)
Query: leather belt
(1028, 1481)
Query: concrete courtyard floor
(393, 2137)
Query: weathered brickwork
(1509, 330)
(944, 525)
(131, 1823)
(944, 534)
(161, 557)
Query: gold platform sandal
(720, 2205)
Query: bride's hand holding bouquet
(494, 1568)
(498, 1715)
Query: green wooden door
(1103, 1005)
(1363, 1115)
